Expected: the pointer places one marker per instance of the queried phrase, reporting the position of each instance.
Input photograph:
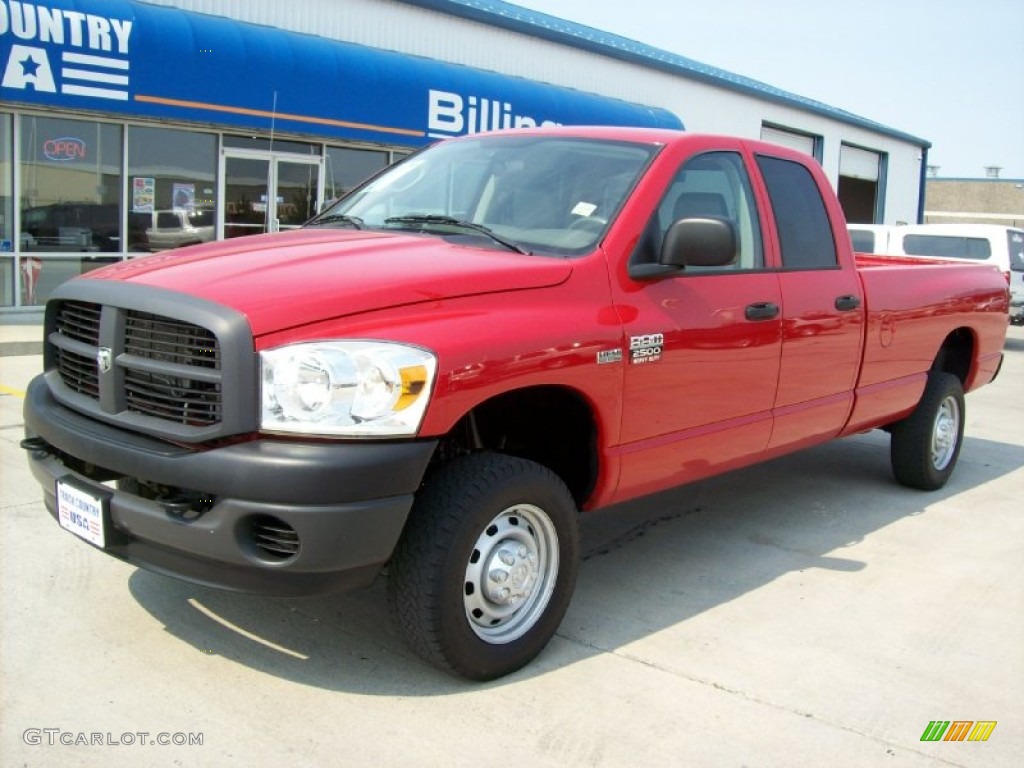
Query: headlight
(346, 388)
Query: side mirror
(708, 241)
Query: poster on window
(184, 197)
(143, 191)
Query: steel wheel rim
(945, 433)
(511, 574)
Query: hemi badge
(104, 359)
(609, 356)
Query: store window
(346, 168)
(6, 213)
(172, 188)
(70, 200)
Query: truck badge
(646, 348)
(609, 356)
(104, 359)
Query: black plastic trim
(347, 502)
(267, 470)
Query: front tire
(925, 446)
(486, 565)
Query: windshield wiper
(453, 222)
(353, 221)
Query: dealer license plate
(81, 512)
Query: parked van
(992, 243)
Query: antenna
(273, 119)
(271, 223)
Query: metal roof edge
(543, 26)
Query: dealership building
(134, 126)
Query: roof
(545, 27)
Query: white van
(999, 245)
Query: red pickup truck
(438, 372)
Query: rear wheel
(925, 446)
(485, 568)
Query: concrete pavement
(805, 612)
(23, 338)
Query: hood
(294, 278)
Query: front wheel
(485, 568)
(925, 446)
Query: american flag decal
(101, 77)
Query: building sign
(54, 50)
(142, 60)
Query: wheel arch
(957, 355)
(552, 425)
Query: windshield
(536, 194)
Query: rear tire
(486, 565)
(925, 446)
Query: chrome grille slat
(79, 321)
(173, 341)
(78, 373)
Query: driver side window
(716, 185)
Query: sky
(947, 71)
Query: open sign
(64, 148)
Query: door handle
(847, 303)
(762, 310)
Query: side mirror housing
(708, 241)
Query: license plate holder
(84, 512)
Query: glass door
(297, 185)
(245, 195)
(250, 209)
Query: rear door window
(805, 233)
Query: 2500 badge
(647, 348)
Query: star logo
(29, 67)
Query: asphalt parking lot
(805, 612)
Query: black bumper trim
(347, 503)
(267, 470)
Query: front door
(702, 349)
(268, 192)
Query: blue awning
(134, 59)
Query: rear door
(823, 309)
(702, 348)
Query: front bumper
(197, 515)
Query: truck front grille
(160, 355)
(146, 370)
